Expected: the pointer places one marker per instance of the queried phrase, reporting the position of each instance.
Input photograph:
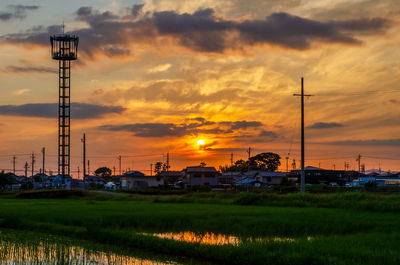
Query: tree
(103, 172)
(265, 161)
(158, 167)
(262, 161)
(4, 179)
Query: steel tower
(64, 48)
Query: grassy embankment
(347, 228)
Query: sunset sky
(157, 76)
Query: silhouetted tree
(103, 172)
(5, 179)
(265, 161)
(158, 167)
(262, 161)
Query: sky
(157, 76)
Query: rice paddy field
(211, 228)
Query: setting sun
(200, 142)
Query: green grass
(346, 228)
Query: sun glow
(200, 142)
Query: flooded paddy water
(32, 248)
(17, 249)
(216, 239)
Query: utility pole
(78, 172)
(287, 164)
(114, 170)
(33, 162)
(84, 154)
(231, 181)
(249, 152)
(14, 158)
(43, 159)
(359, 163)
(88, 167)
(120, 163)
(302, 134)
(151, 170)
(167, 162)
(26, 169)
(248, 168)
(334, 167)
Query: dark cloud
(115, 51)
(371, 142)
(325, 125)
(17, 12)
(50, 110)
(5, 16)
(205, 31)
(263, 137)
(235, 125)
(136, 10)
(199, 126)
(30, 69)
(149, 129)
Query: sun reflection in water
(216, 239)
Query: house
(263, 178)
(315, 175)
(62, 182)
(201, 176)
(230, 177)
(270, 178)
(171, 177)
(138, 180)
(93, 180)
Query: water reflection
(44, 252)
(216, 239)
(207, 238)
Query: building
(315, 175)
(138, 180)
(171, 177)
(259, 177)
(203, 176)
(93, 180)
(271, 178)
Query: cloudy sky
(156, 76)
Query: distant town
(242, 175)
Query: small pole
(14, 158)
(33, 162)
(248, 169)
(151, 169)
(43, 159)
(84, 155)
(120, 163)
(26, 169)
